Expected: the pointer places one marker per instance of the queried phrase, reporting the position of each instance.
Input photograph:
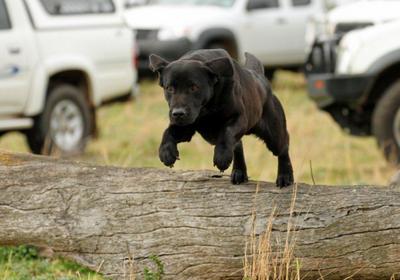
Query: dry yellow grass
(265, 257)
(271, 255)
(130, 134)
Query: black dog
(212, 94)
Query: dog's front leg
(227, 140)
(239, 169)
(168, 151)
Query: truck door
(299, 12)
(14, 65)
(263, 29)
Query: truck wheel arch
(384, 62)
(213, 35)
(386, 71)
(76, 77)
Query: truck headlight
(347, 49)
(172, 33)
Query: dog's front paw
(238, 176)
(222, 157)
(168, 154)
(284, 180)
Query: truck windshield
(221, 3)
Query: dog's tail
(252, 63)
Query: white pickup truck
(272, 30)
(356, 79)
(59, 61)
(348, 16)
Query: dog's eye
(170, 89)
(194, 88)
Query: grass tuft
(265, 257)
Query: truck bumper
(328, 89)
(341, 96)
(170, 50)
(324, 86)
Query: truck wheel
(64, 126)
(226, 45)
(386, 123)
(269, 73)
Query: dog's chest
(210, 130)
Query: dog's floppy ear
(157, 63)
(222, 67)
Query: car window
(77, 7)
(262, 4)
(299, 3)
(4, 19)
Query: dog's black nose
(178, 112)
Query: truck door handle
(9, 71)
(14, 50)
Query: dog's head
(189, 84)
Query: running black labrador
(210, 93)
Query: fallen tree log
(100, 216)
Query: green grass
(130, 135)
(23, 263)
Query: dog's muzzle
(180, 116)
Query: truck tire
(386, 123)
(65, 124)
(269, 73)
(226, 45)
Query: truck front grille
(322, 58)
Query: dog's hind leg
(272, 129)
(239, 169)
(285, 170)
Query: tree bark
(101, 216)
